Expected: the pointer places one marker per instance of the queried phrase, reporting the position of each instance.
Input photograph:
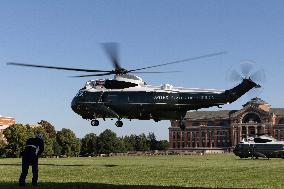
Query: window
(210, 123)
(195, 123)
(281, 121)
(251, 118)
(224, 123)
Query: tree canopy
(65, 142)
(70, 145)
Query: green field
(157, 172)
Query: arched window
(251, 118)
(281, 121)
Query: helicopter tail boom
(246, 85)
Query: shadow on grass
(47, 164)
(246, 159)
(57, 165)
(110, 165)
(10, 164)
(81, 185)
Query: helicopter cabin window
(100, 83)
(90, 84)
(114, 84)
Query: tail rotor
(248, 70)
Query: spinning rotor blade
(91, 75)
(259, 76)
(158, 72)
(111, 50)
(235, 76)
(110, 73)
(246, 68)
(55, 67)
(180, 61)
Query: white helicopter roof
(142, 86)
(129, 78)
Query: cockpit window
(100, 82)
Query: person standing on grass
(33, 149)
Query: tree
(56, 149)
(48, 128)
(163, 145)
(48, 142)
(89, 144)
(108, 142)
(153, 143)
(2, 148)
(16, 136)
(141, 143)
(121, 145)
(130, 142)
(70, 145)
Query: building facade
(226, 128)
(4, 123)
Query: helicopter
(261, 145)
(128, 96)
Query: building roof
(222, 114)
(277, 111)
(6, 121)
(225, 114)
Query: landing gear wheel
(95, 122)
(119, 123)
(182, 125)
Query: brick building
(4, 123)
(215, 130)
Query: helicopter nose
(74, 104)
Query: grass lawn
(157, 172)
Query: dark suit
(33, 149)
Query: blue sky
(68, 33)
